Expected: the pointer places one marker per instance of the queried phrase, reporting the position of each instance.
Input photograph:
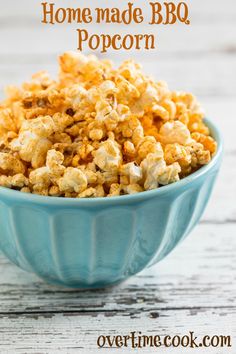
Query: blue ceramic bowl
(88, 243)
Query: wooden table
(193, 289)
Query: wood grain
(71, 333)
(200, 10)
(194, 288)
(191, 290)
(205, 278)
(195, 74)
(199, 58)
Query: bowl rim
(86, 202)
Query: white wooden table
(193, 289)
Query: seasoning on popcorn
(99, 132)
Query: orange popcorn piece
(99, 131)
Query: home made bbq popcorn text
(99, 131)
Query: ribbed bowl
(87, 243)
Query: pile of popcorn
(99, 131)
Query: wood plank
(71, 333)
(222, 207)
(200, 10)
(44, 39)
(205, 77)
(200, 273)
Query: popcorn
(107, 87)
(170, 175)
(132, 171)
(54, 162)
(157, 172)
(25, 190)
(42, 127)
(207, 141)
(132, 188)
(153, 166)
(199, 156)
(96, 134)
(19, 181)
(74, 180)
(5, 181)
(10, 165)
(161, 112)
(129, 149)
(170, 107)
(31, 148)
(100, 191)
(108, 156)
(147, 145)
(99, 132)
(177, 153)
(87, 193)
(6, 121)
(174, 132)
(115, 190)
(40, 179)
(54, 191)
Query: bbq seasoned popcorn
(99, 131)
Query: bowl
(92, 243)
